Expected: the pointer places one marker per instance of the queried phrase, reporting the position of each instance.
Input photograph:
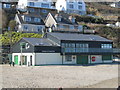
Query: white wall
(70, 62)
(31, 27)
(98, 59)
(23, 4)
(63, 5)
(25, 54)
(48, 58)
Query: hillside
(103, 10)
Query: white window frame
(25, 27)
(28, 19)
(68, 58)
(44, 11)
(36, 19)
(46, 5)
(106, 46)
(71, 27)
(71, 6)
(79, 6)
(31, 4)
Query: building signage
(48, 51)
(93, 59)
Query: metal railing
(90, 50)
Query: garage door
(82, 59)
(16, 59)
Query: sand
(65, 76)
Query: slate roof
(78, 37)
(40, 42)
(32, 16)
(64, 19)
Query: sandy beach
(65, 76)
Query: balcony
(67, 30)
(91, 50)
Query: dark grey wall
(47, 49)
(16, 47)
(92, 44)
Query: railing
(90, 50)
(67, 29)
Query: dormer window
(36, 19)
(28, 19)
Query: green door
(82, 59)
(16, 59)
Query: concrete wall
(48, 58)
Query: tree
(12, 25)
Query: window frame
(68, 58)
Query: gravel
(56, 76)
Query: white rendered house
(71, 6)
(22, 5)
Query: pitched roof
(64, 18)
(40, 42)
(32, 16)
(78, 37)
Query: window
(31, 10)
(26, 27)
(106, 46)
(80, 27)
(71, 27)
(61, 26)
(45, 0)
(31, 3)
(37, 19)
(80, 12)
(79, 2)
(70, 2)
(7, 5)
(27, 19)
(68, 58)
(45, 5)
(44, 11)
(39, 29)
(79, 7)
(81, 45)
(71, 6)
